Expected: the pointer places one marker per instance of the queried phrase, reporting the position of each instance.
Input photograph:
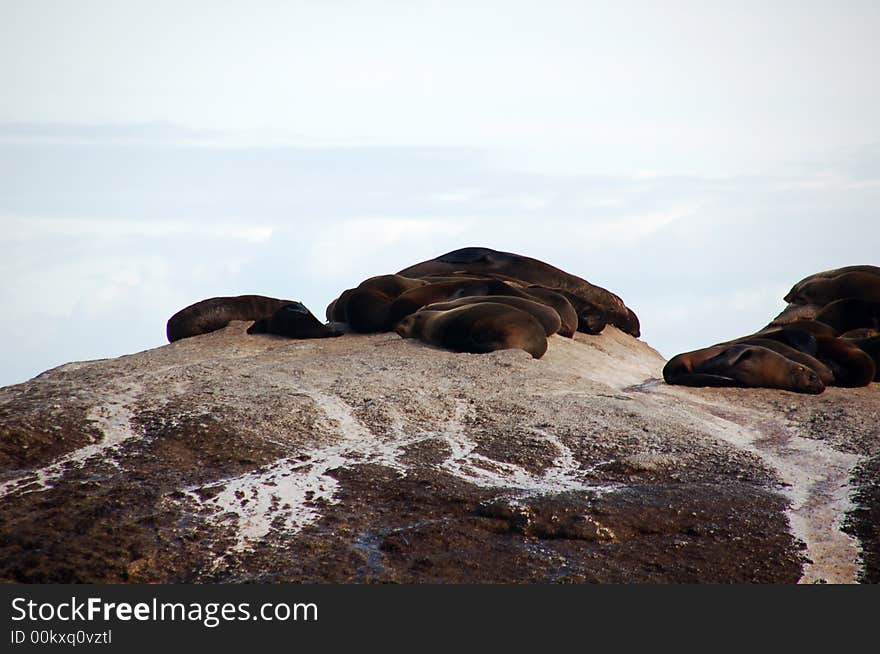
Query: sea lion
(798, 356)
(216, 312)
(825, 290)
(545, 315)
(294, 320)
(365, 308)
(852, 366)
(558, 301)
(591, 318)
(870, 346)
(874, 270)
(416, 298)
(851, 313)
(802, 338)
(742, 365)
(551, 297)
(843, 359)
(487, 261)
(477, 328)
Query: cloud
(26, 229)
(91, 246)
(354, 243)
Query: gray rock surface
(237, 458)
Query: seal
(366, 308)
(850, 313)
(294, 320)
(216, 313)
(870, 345)
(743, 365)
(793, 354)
(560, 303)
(825, 290)
(839, 356)
(550, 297)
(874, 270)
(414, 299)
(851, 365)
(545, 315)
(477, 328)
(482, 260)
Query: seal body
(366, 308)
(477, 328)
(294, 320)
(826, 274)
(547, 316)
(850, 313)
(742, 365)
(482, 260)
(825, 290)
(414, 299)
(567, 314)
(825, 373)
(216, 313)
(871, 346)
(852, 367)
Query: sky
(696, 158)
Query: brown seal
(551, 297)
(805, 359)
(294, 320)
(841, 357)
(742, 365)
(216, 312)
(851, 313)
(366, 308)
(851, 365)
(825, 290)
(564, 308)
(487, 261)
(874, 270)
(870, 345)
(545, 315)
(477, 328)
(416, 298)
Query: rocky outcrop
(239, 458)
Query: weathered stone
(229, 457)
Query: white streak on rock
(817, 481)
(112, 419)
(287, 494)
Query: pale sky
(694, 157)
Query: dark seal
(481, 260)
(294, 320)
(477, 328)
(216, 313)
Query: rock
(368, 458)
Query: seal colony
(479, 300)
(469, 300)
(828, 335)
